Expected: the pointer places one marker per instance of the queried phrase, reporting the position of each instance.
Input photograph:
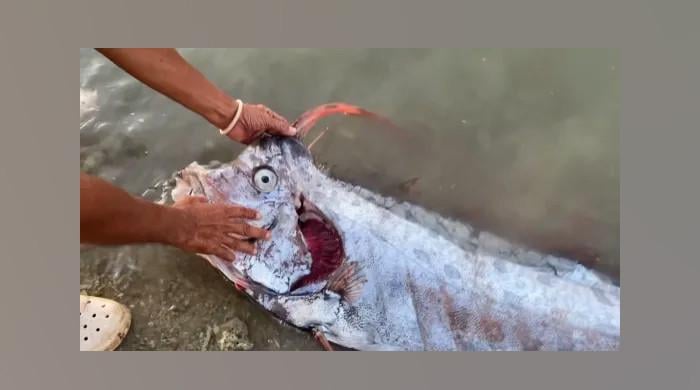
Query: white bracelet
(230, 127)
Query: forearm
(167, 72)
(111, 216)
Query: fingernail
(292, 130)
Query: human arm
(111, 216)
(167, 72)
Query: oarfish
(368, 272)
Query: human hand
(215, 229)
(256, 120)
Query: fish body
(371, 273)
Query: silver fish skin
(424, 282)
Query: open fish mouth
(322, 240)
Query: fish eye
(265, 179)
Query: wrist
(222, 111)
(169, 225)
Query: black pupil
(265, 179)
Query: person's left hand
(214, 229)
(256, 120)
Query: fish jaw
(309, 311)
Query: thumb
(280, 126)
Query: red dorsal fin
(309, 118)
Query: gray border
(39, 205)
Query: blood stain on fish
(491, 329)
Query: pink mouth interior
(323, 243)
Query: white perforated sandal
(103, 323)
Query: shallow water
(523, 143)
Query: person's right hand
(256, 120)
(215, 229)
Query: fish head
(273, 177)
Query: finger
(278, 125)
(243, 212)
(237, 236)
(251, 231)
(237, 245)
(224, 253)
(245, 247)
(249, 134)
